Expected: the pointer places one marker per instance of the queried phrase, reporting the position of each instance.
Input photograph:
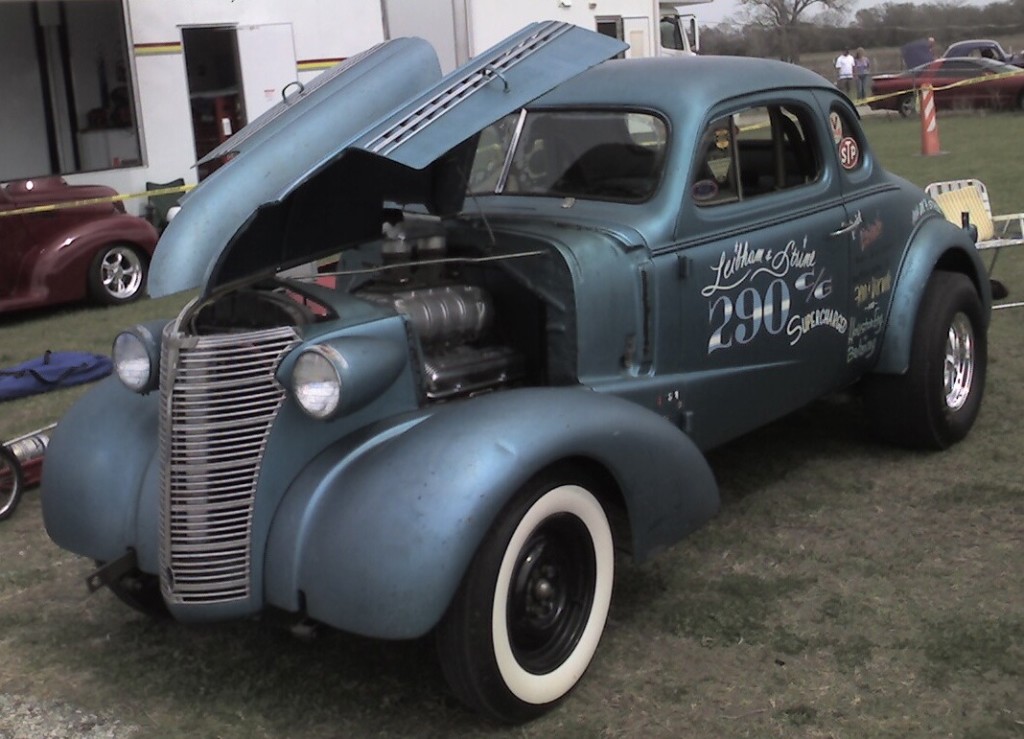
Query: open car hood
(314, 173)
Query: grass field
(847, 589)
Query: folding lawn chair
(960, 199)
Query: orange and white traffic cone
(929, 126)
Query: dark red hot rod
(64, 254)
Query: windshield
(671, 38)
(596, 155)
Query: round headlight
(317, 383)
(132, 361)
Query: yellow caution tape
(95, 201)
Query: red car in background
(999, 85)
(65, 254)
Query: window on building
(67, 88)
(611, 25)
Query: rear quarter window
(754, 152)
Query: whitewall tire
(529, 615)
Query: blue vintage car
(457, 341)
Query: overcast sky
(729, 10)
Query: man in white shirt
(844, 71)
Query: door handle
(848, 227)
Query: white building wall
(324, 32)
(324, 29)
(640, 23)
(490, 22)
(434, 20)
(459, 29)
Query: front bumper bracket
(112, 571)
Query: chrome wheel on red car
(118, 275)
(11, 482)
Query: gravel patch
(26, 718)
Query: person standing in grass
(844, 71)
(861, 70)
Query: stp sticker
(836, 124)
(849, 153)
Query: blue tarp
(51, 371)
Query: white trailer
(461, 29)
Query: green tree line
(786, 28)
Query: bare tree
(783, 17)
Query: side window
(847, 139)
(755, 152)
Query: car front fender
(100, 478)
(374, 537)
(61, 269)
(937, 244)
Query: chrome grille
(219, 398)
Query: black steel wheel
(527, 619)
(935, 403)
(11, 482)
(908, 106)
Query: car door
(763, 248)
(881, 224)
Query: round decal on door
(836, 124)
(849, 153)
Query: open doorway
(214, 88)
(235, 74)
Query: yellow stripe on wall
(317, 65)
(173, 47)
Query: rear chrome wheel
(935, 403)
(958, 368)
